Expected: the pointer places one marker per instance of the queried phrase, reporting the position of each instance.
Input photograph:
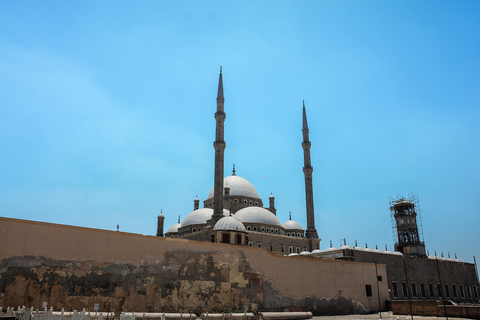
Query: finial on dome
(376, 247)
(330, 243)
(220, 69)
(178, 218)
(435, 253)
(161, 210)
(344, 241)
(230, 211)
(233, 171)
(386, 248)
(290, 213)
(456, 256)
(366, 245)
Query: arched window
(254, 228)
(290, 249)
(271, 247)
(251, 202)
(248, 228)
(297, 249)
(283, 249)
(263, 229)
(235, 200)
(250, 243)
(259, 244)
(245, 201)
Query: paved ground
(385, 316)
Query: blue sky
(107, 111)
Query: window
(212, 238)
(259, 244)
(288, 234)
(461, 290)
(245, 201)
(430, 289)
(193, 230)
(239, 239)
(454, 290)
(256, 203)
(283, 248)
(368, 289)
(447, 292)
(254, 228)
(271, 230)
(422, 290)
(235, 200)
(379, 278)
(290, 249)
(414, 290)
(271, 247)
(404, 289)
(248, 228)
(394, 290)
(469, 293)
(226, 237)
(439, 289)
(263, 229)
(298, 235)
(276, 231)
(251, 202)
(250, 243)
(297, 249)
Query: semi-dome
(238, 187)
(229, 224)
(257, 215)
(200, 216)
(292, 225)
(174, 228)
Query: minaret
(160, 223)
(219, 145)
(308, 170)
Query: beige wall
(87, 266)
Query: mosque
(233, 211)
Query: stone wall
(72, 268)
(434, 309)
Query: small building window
(379, 278)
(290, 249)
(256, 203)
(254, 228)
(248, 228)
(271, 230)
(250, 243)
(394, 289)
(288, 233)
(245, 201)
(271, 247)
(439, 289)
(297, 249)
(454, 290)
(263, 229)
(422, 290)
(368, 289)
(283, 249)
(404, 289)
(259, 244)
(193, 229)
(298, 235)
(447, 292)
(462, 294)
(276, 231)
(414, 290)
(430, 289)
(235, 200)
(251, 202)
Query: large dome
(200, 216)
(292, 225)
(238, 187)
(257, 215)
(229, 224)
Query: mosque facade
(234, 213)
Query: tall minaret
(308, 170)
(219, 145)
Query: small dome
(292, 225)
(229, 224)
(238, 187)
(358, 248)
(398, 253)
(161, 215)
(378, 250)
(174, 228)
(330, 249)
(200, 216)
(293, 254)
(257, 215)
(345, 246)
(271, 196)
(368, 249)
(317, 251)
(305, 253)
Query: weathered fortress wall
(74, 267)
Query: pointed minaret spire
(311, 232)
(219, 146)
(220, 85)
